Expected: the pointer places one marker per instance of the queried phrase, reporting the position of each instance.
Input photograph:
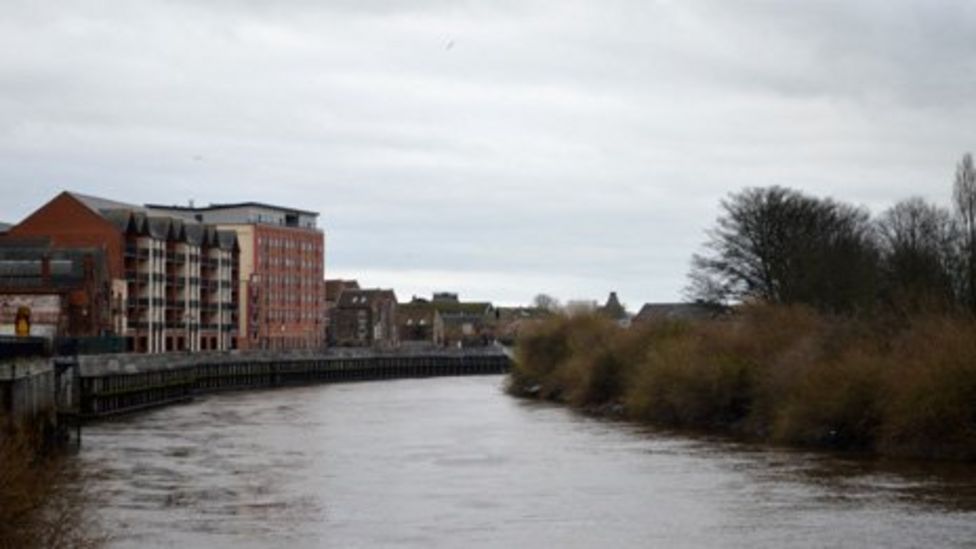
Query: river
(454, 462)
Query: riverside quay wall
(116, 384)
(28, 388)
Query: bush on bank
(772, 373)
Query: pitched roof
(227, 240)
(675, 311)
(462, 307)
(336, 286)
(98, 204)
(364, 298)
(415, 312)
(613, 308)
(160, 226)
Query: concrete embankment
(27, 388)
(116, 384)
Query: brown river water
(455, 462)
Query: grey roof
(676, 311)
(194, 233)
(4, 227)
(159, 226)
(98, 204)
(613, 308)
(364, 298)
(121, 214)
(227, 240)
(119, 218)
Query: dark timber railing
(117, 384)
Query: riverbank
(43, 498)
(774, 374)
(119, 384)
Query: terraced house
(174, 281)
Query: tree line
(780, 245)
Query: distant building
(366, 318)
(333, 289)
(468, 323)
(653, 312)
(4, 227)
(419, 322)
(172, 283)
(513, 321)
(445, 297)
(282, 271)
(54, 293)
(615, 311)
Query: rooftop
(676, 311)
(353, 298)
(233, 205)
(100, 205)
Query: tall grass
(773, 373)
(42, 498)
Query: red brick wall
(290, 262)
(69, 223)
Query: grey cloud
(582, 143)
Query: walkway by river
(454, 462)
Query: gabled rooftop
(365, 298)
(100, 205)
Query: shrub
(776, 373)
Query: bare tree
(782, 246)
(918, 243)
(547, 302)
(964, 195)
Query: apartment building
(174, 282)
(282, 269)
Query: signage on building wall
(37, 315)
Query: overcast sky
(498, 149)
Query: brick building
(61, 293)
(333, 289)
(282, 267)
(173, 281)
(418, 321)
(366, 318)
(466, 323)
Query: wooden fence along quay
(116, 384)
